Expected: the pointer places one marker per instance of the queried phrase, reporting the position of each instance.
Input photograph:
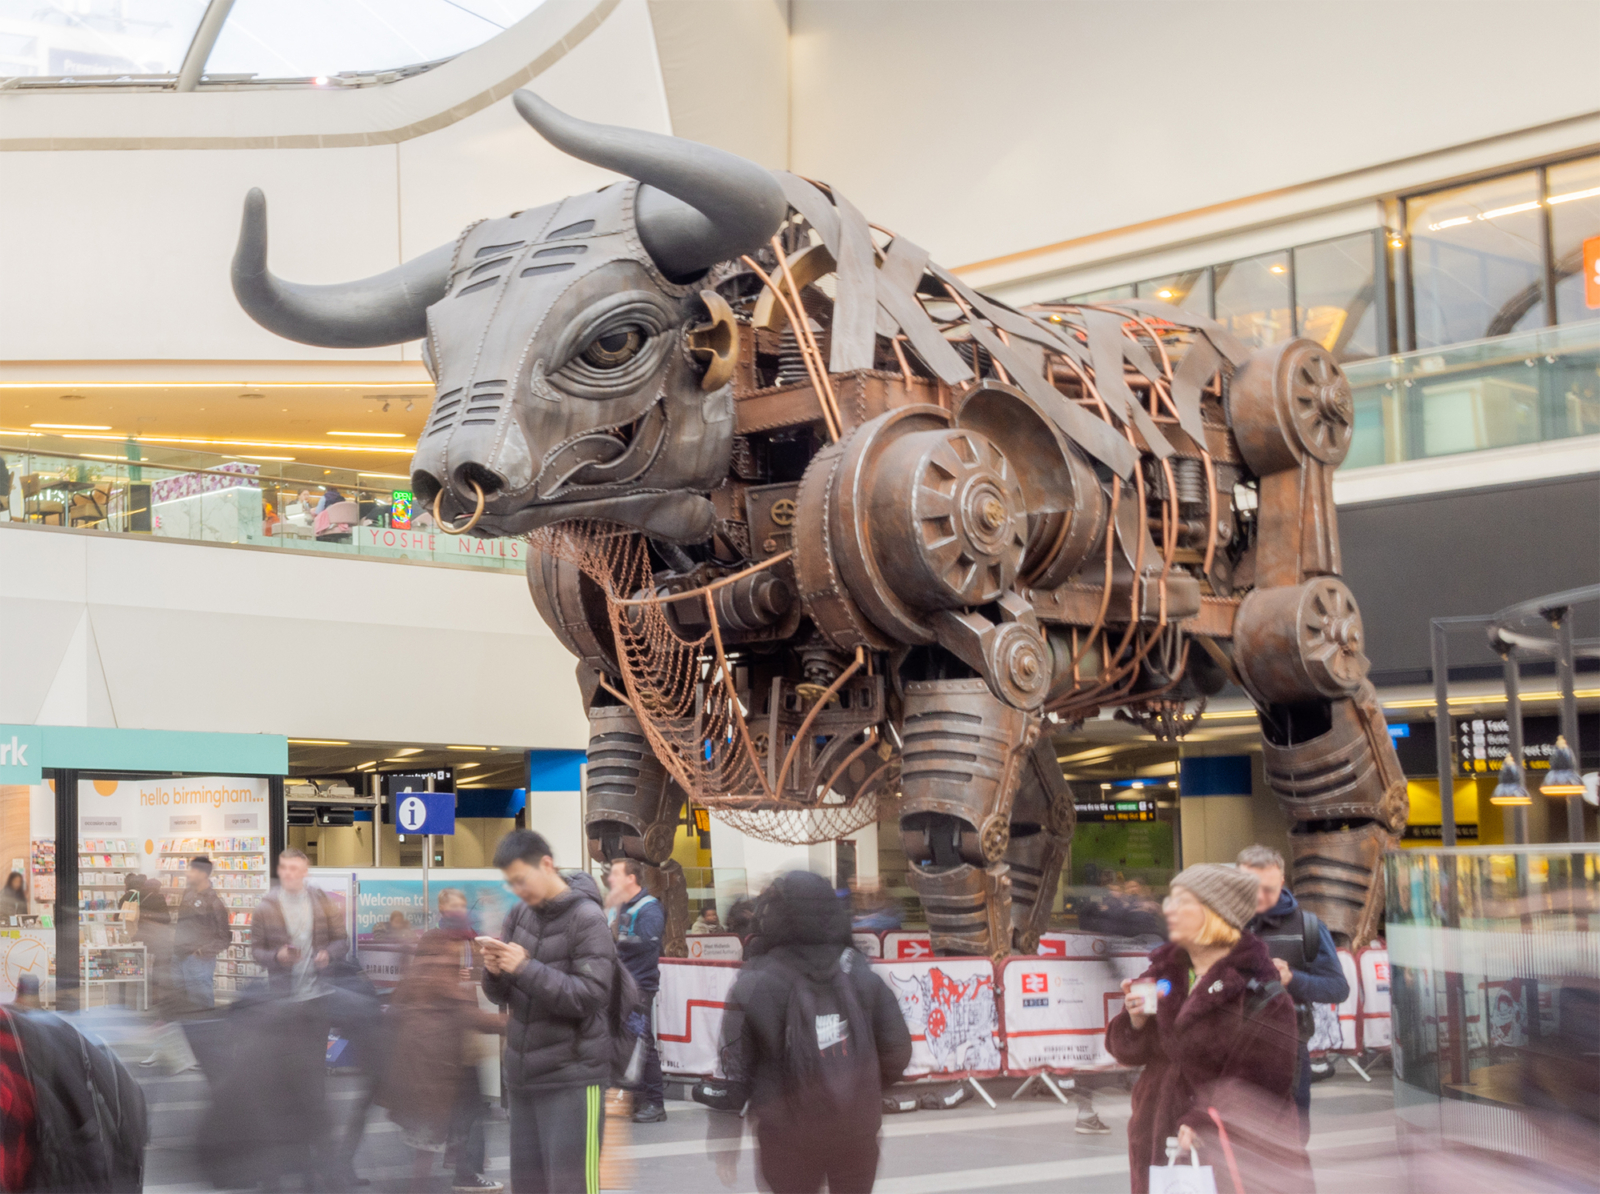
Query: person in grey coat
(552, 969)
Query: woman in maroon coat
(1215, 1032)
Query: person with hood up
(812, 1038)
(431, 1088)
(1302, 950)
(1215, 1032)
(552, 968)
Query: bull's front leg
(632, 808)
(965, 755)
(1299, 647)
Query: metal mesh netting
(683, 692)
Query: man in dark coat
(1219, 1044)
(553, 969)
(1302, 951)
(639, 926)
(812, 1038)
(201, 934)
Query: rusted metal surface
(827, 499)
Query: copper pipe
(800, 734)
(751, 757)
(710, 587)
(899, 355)
(872, 737)
(805, 357)
(1211, 509)
(807, 340)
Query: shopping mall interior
(235, 619)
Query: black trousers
(466, 1125)
(794, 1161)
(555, 1140)
(1302, 1092)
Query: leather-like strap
(1196, 368)
(1095, 436)
(855, 304)
(1225, 341)
(897, 297)
(1105, 346)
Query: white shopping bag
(1172, 1178)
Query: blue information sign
(425, 812)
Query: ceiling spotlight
(252, 395)
(72, 397)
(385, 408)
(409, 404)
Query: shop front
(97, 828)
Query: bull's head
(559, 338)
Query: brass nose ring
(476, 514)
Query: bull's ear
(698, 205)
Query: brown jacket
(430, 1019)
(202, 924)
(269, 933)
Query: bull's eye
(615, 348)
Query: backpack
(92, 1126)
(627, 1048)
(1262, 994)
(829, 1057)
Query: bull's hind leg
(632, 811)
(965, 754)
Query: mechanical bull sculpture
(827, 528)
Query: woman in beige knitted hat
(1216, 1035)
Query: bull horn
(387, 308)
(698, 206)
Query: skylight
(145, 43)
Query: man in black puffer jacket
(553, 968)
(812, 1037)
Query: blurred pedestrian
(14, 897)
(1303, 953)
(639, 926)
(812, 1038)
(297, 935)
(201, 934)
(431, 1086)
(875, 912)
(1215, 1032)
(706, 922)
(153, 930)
(553, 968)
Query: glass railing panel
(1495, 985)
(201, 498)
(1526, 388)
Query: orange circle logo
(149, 846)
(105, 786)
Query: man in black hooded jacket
(812, 1038)
(552, 969)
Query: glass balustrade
(1524, 388)
(202, 497)
(1493, 982)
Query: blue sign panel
(425, 812)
